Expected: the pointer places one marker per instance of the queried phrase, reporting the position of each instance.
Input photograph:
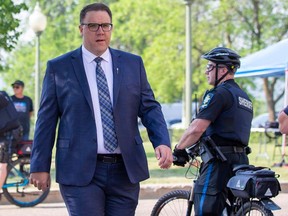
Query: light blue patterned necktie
(110, 139)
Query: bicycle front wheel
(17, 189)
(254, 208)
(174, 203)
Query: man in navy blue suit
(92, 179)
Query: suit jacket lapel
(117, 75)
(77, 62)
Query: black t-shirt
(23, 106)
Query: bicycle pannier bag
(254, 183)
(24, 147)
(8, 114)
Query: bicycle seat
(237, 167)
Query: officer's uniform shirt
(214, 103)
(230, 111)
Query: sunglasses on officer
(210, 67)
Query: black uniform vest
(233, 124)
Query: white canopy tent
(271, 61)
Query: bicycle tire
(174, 203)
(254, 208)
(22, 194)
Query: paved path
(144, 208)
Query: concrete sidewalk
(144, 208)
(153, 191)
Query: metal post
(37, 22)
(188, 91)
(37, 74)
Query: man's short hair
(94, 7)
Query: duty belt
(231, 149)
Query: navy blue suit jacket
(66, 106)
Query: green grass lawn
(177, 174)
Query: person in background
(283, 121)
(224, 119)
(96, 93)
(24, 107)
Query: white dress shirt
(90, 70)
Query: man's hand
(181, 157)
(41, 180)
(164, 155)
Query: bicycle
(16, 188)
(180, 202)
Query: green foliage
(155, 29)
(9, 31)
(61, 35)
(9, 24)
(158, 34)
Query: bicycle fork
(190, 201)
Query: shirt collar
(90, 57)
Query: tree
(258, 24)
(60, 36)
(155, 29)
(9, 31)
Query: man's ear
(81, 30)
(223, 70)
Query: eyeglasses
(94, 27)
(16, 87)
(210, 67)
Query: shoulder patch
(206, 100)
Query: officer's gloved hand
(180, 157)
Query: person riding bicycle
(9, 129)
(225, 116)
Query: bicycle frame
(17, 189)
(232, 207)
(16, 184)
(233, 203)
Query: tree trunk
(269, 98)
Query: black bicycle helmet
(222, 55)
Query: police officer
(225, 116)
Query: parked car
(261, 120)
